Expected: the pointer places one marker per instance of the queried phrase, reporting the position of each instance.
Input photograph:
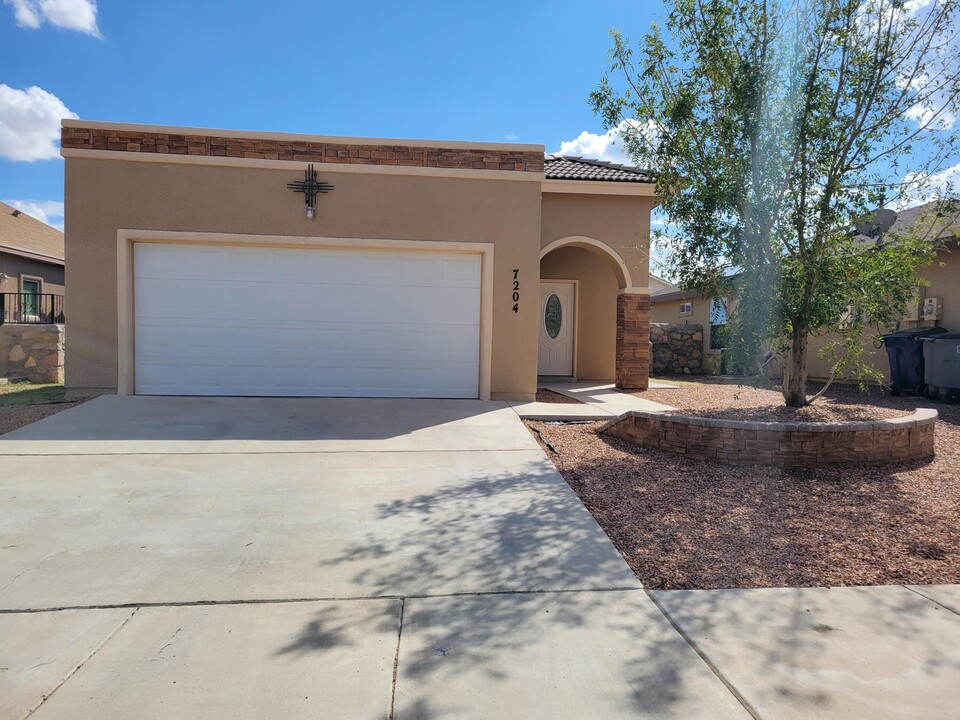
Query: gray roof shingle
(571, 167)
(23, 233)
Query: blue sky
(490, 71)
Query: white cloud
(30, 123)
(936, 112)
(935, 107)
(512, 138)
(607, 146)
(25, 13)
(921, 189)
(79, 15)
(610, 145)
(47, 211)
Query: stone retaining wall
(781, 444)
(32, 351)
(677, 348)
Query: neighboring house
(943, 276)
(676, 306)
(657, 284)
(202, 264)
(673, 305)
(31, 267)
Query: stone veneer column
(633, 341)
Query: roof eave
(20, 252)
(595, 187)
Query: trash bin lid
(915, 333)
(945, 337)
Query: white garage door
(215, 320)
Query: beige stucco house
(942, 290)
(669, 304)
(212, 262)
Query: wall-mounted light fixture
(310, 187)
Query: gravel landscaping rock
(687, 524)
(723, 399)
(548, 396)
(14, 418)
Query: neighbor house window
(686, 308)
(31, 298)
(719, 337)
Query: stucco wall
(623, 223)
(51, 276)
(944, 279)
(105, 195)
(596, 321)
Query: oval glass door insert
(552, 316)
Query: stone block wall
(781, 444)
(676, 348)
(32, 351)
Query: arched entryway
(594, 322)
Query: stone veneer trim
(633, 341)
(734, 442)
(359, 153)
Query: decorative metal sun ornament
(310, 187)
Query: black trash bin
(905, 353)
(941, 358)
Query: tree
(772, 128)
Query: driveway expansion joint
(396, 662)
(703, 656)
(202, 453)
(927, 597)
(330, 598)
(83, 662)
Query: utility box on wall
(932, 309)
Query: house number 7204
(516, 290)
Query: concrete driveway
(254, 558)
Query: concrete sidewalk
(227, 558)
(888, 652)
(600, 401)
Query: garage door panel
(268, 321)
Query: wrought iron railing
(31, 308)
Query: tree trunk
(795, 381)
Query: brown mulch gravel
(687, 524)
(15, 417)
(548, 396)
(725, 399)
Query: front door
(557, 300)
